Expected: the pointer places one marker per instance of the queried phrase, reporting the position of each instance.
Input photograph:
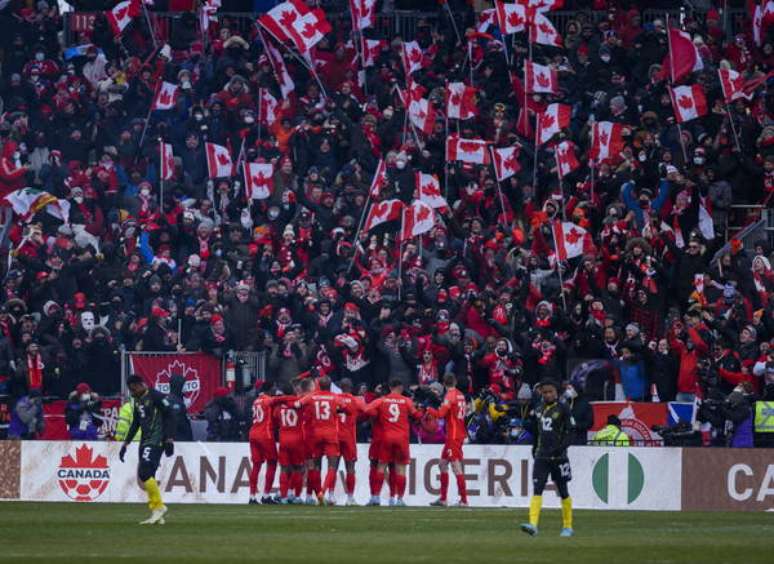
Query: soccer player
(292, 454)
(453, 410)
(553, 434)
(373, 457)
(154, 416)
(350, 408)
(262, 445)
(393, 411)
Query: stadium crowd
(484, 294)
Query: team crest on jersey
(191, 385)
(83, 477)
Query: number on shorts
(289, 417)
(146, 454)
(323, 410)
(564, 470)
(548, 423)
(257, 413)
(394, 413)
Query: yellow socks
(566, 513)
(154, 494)
(535, 504)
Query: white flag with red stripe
(422, 115)
(371, 49)
(167, 161)
(571, 240)
(219, 164)
(485, 19)
(542, 31)
(294, 21)
(566, 161)
(541, 78)
(732, 84)
(418, 219)
(121, 15)
(762, 17)
(267, 107)
(363, 13)
(382, 212)
(689, 102)
(506, 162)
(429, 190)
(259, 180)
(466, 150)
(412, 57)
(607, 140)
(280, 69)
(460, 101)
(555, 118)
(706, 223)
(380, 179)
(166, 96)
(511, 18)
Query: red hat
(442, 296)
(349, 306)
(215, 318)
(220, 392)
(41, 275)
(83, 388)
(79, 300)
(157, 311)
(454, 292)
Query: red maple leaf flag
(412, 57)
(541, 78)
(418, 219)
(380, 179)
(267, 110)
(506, 162)
(259, 180)
(688, 102)
(554, 119)
(460, 101)
(382, 212)
(294, 21)
(733, 85)
(542, 31)
(607, 140)
(422, 115)
(485, 19)
(121, 15)
(167, 161)
(363, 13)
(219, 164)
(571, 240)
(466, 150)
(762, 17)
(511, 18)
(429, 190)
(566, 161)
(280, 69)
(371, 48)
(683, 59)
(166, 96)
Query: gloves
(122, 453)
(169, 448)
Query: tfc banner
(637, 419)
(496, 475)
(200, 372)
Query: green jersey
(553, 428)
(153, 415)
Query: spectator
(223, 418)
(183, 431)
(612, 434)
(27, 421)
(82, 413)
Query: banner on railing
(637, 419)
(56, 426)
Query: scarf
(35, 371)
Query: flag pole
(470, 60)
(733, 128)
(671, 82)
(558, 266)
(161, 173)
(400, 251)
(499, 190)
(445, 156)
(150, 25)
(454, 23)
(535, 156)
(260, 111)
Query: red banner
(637, 419)
(56, 427)
(201, 373)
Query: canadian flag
(762, 17)
(566, 160)
(429, 191)
(219, 162)
(281, 73)
(382, 212)
(506, 162)
(422, 115)
(541, 78)
(411, 55)
(689, 102)
(511, 18)
(166, 96)
(571, 240)
(683, 59)
(485, 19)
(542, 31)
(733, 85)
(555, 118)
(607, 140)
(363, 12)
(267, 110)
(259, 180)
(294, 21)
(167, 161)
(460, 101)
(371, 49)
(418, 219)
(543, 5)
(380, 179)
(466, 150)
(121, 15)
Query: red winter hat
(220, 392)
(454, 292)
(157, 311)
(442, 296)
(349, 306)
(215, 318)
(83, 388)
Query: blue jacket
(633, 379)
(656, 205)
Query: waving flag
(506, 162)
(571, 240)
(412, 57)
(689, 102)
(762, 18)
(555, 118)
(541, 78)
(460, 101)
(466, 150)
(29, 201)
(267, 107)
(279, 68)
(486, 19)
(294, 21)
(166, 96)
(371, 49)
(733, 85)
(429, 190)
(219, 163)
(683, 59)
(380, 179)
(382, 212)
(121, 15)
(363, 13)
(607, 140)
(542, 31)
(566, 161)
(511, 18)
(167, 161)
(422, 115)
(418, 219)
(259, 180)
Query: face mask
(698, 160)
(570, 393)
(218, 253)
(605, 58)
(198, 117)
(186, 84)
(643, 157)
(249, 119)
(78, 199)
(145, 193)
(400, 165)
(40, 56)
(85, 397)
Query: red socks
(350, 483)
(391, 482)
(461, 487)
(378, 481)
(400, 485)
(297, 482)
(330, 480)
(444, 485)
(271, 469)
(372, 481)
(254, 471)
(284, 484)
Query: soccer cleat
(530, 529)
(351, 502)
(310, 500)
(567, 533)
(157, 515)
(374, 502)
(400, 503)
(330, 501)
(462, 504)
(252, 501)
(285, 501)
(296, 501)
(438, 503)
(268, 500)
(393, 502)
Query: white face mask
(87, 320)
(78, 199)
(85, 397)
(400, 164)
(40, 56)
(249, 119)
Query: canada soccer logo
(191, 385)
(84, 477)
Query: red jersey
(453, 410)
(351, 407)
(288, 420)
(262, 421)
(320, 409)
(393, 412)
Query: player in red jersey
(453, 410)
(393, 411)
(262, 446)
(373, 457)
(292, 454)
(321, 408)
(307, 386)
(350, 407)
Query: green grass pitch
(69, 532)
